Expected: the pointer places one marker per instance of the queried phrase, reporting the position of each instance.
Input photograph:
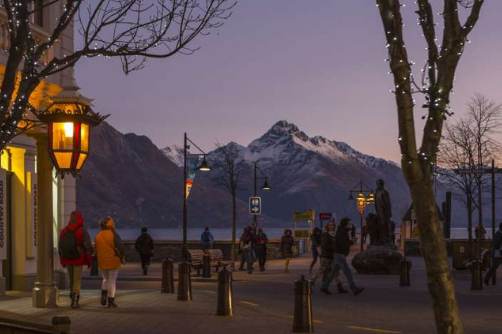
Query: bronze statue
(384, 213)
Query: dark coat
(287, 243)
(327, 245)
(144, 244)
(497, 241)
(342, 241)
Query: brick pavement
(263, 303)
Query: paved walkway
(263, 303)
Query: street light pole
(185, 218)
(255, 218)
(361, 213)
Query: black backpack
(68, 245)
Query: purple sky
(318, 65)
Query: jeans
(341, 263)
(250, 257)
(110, 281)
(333, 272)
(75, 273)
(496, 262)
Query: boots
(74, 301)
(145, 270)
(111, 303)
(341, 289)
(104, 295)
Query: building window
(38, 15)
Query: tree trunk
(234, 224)
(469, 225)
(432, 244)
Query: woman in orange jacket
(109, 249)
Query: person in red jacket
(75, 251)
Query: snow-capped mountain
(175, 154)
(312, 173)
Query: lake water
(226, 233)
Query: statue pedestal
(378, 260)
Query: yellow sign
(301, 234)
(303, 215)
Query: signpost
(325, 216)
(255, 205)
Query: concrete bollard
(167, 276)
(225, 293)
(206, 266)
(477, 275)
(61, 325)
(404, 276)
(184, 281)
(94, 266)
(303, 321)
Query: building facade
(34, 203)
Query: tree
(131, 30)
(466, 144)
(229, 160)
(417, 162)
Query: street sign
(325, 216)
(255, 205)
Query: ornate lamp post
(202, 167)
(69, 118)
(362, 202)
(265, 186)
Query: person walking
(248, 244)
(342, 250)
(496, 255)
(241, 252)
(75, 251)
(315, 239)
(328, 267)
(287, 243)
(207, 239)
(144, 246)
(110, 252)
(261, 248)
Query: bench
(60, 325)
(196, 256)
(217, 259)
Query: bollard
(225, 293)
(404, 276)
(61, 325)
(302, 318)
(206, 266)
(167, 276)
(477, 275)
(184, 281)
(94, 266)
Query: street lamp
(69, 118)
(202, 167)
(365, 196)
(265, 186)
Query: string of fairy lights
(437, 98)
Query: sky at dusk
(318, 64)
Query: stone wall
(172, 249)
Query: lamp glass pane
(63, 159)
(84, 137)
(62, 134)
(81, 160)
